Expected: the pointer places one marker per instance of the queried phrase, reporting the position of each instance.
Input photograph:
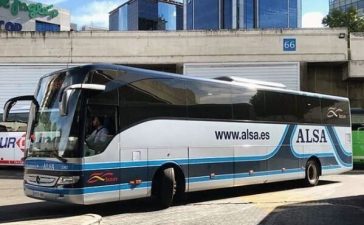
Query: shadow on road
(43, 210)
(202, 196)
(336, 211)
(11, 173)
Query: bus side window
(152, 99)
(101, 128)
(280, 107)
(335, 112)
(209, 100)
(309, 109)
(243, 107)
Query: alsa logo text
(311, 136)
(102, 177)
(333, 112)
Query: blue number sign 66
(289, 44)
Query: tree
(349, 19)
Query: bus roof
(145, 74)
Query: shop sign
(9, 26)
(34, 9)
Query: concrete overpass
(313, 45)
(329, 61)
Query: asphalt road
(337, 200)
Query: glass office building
(345, 4)
(242, 14)
(147, 15)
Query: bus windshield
(49, 133)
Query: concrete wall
(356, 64)
(313, 45)
(357, 46)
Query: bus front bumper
(52, 194)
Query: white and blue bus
(166, 134)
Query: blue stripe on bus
(336, 150)
(347, 153)
(147, 184)
(331, 167)
(264, 157)
(305, 156)
(269, 173)
(208, 178)
(58, 166)
(87, 190)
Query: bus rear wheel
(166, 187)
(312, 173)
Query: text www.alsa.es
(242, 135)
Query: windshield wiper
(16, 121)
(41, 153)
(60, 158)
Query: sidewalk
(88, 219)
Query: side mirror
(67, 92)
(11, 102)
(7, 107)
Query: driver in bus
(99, 135)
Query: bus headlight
(68, 180)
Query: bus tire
(312, 173)
(167, 188)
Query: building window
(249, 12)
(206, 14)
(293, 23)
(123, 18)
(227, 18)
(168, 16)
(43, 27)
(190, 15)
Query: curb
(96, 220)
(87, 219)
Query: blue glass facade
(248, 19)
(245, 14)
(208, 16)
(170, 17)
(227, 22)
(293, 12)
(346, 4)
(133, 15)
(273, 13)
(147, 15)
(119, 19)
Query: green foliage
(349, 19)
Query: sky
(96, 12)
(313, 11)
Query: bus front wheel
(166, 188)
(312, 173)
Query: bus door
(134, 172)
(102, 157)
